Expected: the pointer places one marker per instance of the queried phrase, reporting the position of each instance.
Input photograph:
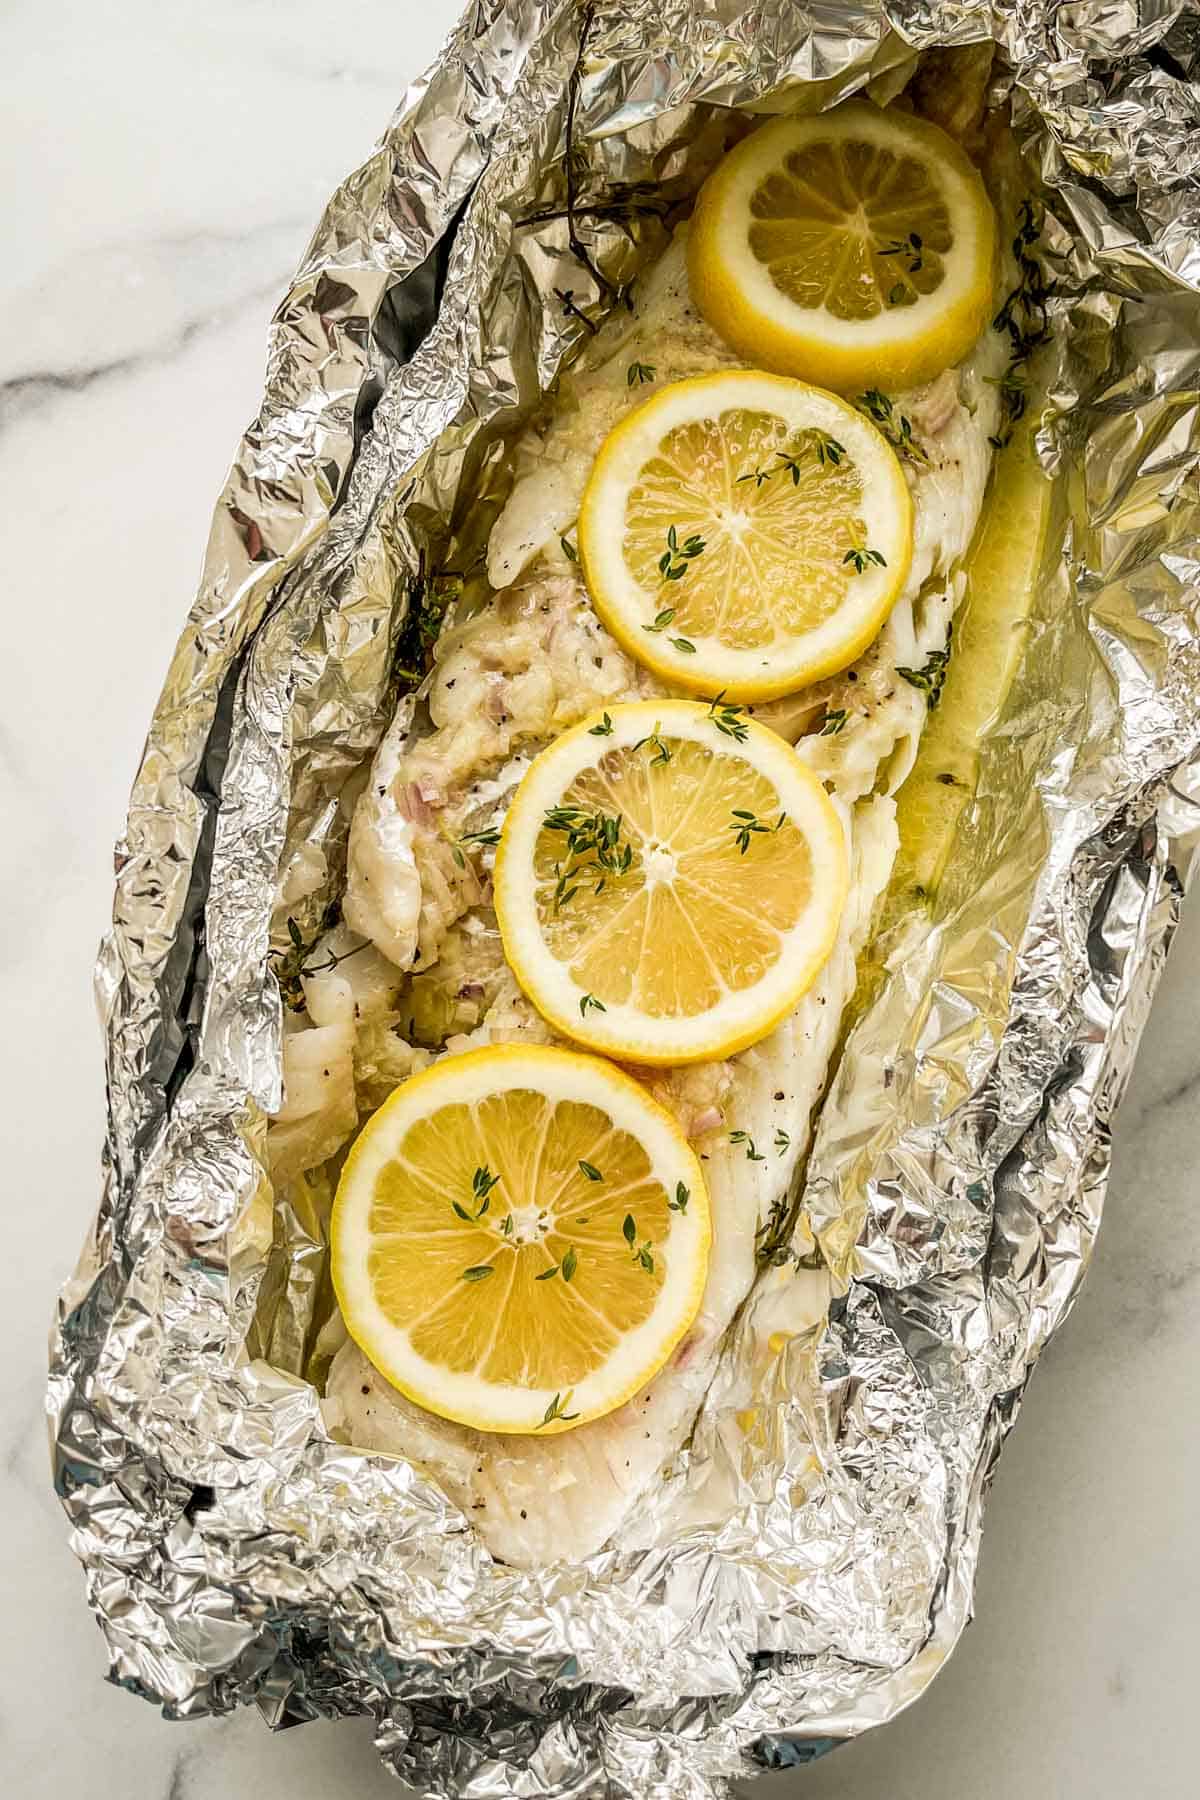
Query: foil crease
(233, 1551)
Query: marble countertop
(158, 193)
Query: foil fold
(233, 1551)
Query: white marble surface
(164, 162)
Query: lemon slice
(669, 881)
(745, 532)
(520, 1238)
(990, 634)
(856, 247)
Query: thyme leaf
(752, 1153)
(746, 825)
(675, 560)
(931, 679)
(727, 718)
(557, 1409)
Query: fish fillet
(506, 680)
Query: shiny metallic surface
(233, 1551)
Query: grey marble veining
(164, 168)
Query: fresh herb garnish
(590, 1001)
(746, 825)
(682, 1195)
(590, 1170)
(661, 620)
(481, 839)
(430, 595)
(910, 248)
(1025, 317)
(661, 753)
(643, 1253)
(593, 848)
(743, 1137)
(727, 718)
(638, 373)
(568, 549)
(557, 1409)
(896, 428)
(862, 558)
(826, 449)
(482, 1183)
(782, 1141)
(835, 721)
(675, 560)
(547, 1274)
(603, 729)
(683, 644)
(480, 1272)
(931, 679)
(292, 964)
(506, 1225)
(570, 1263)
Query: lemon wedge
(855, 247)
(990, 635)
(744, 532)
(520, 1238)
(669, 881)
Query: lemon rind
(467, 1399)
(903, 346)
(621, 1031)
(790, 663)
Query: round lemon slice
(745, 532)
(856, 247)
(669, 881)
(520, 1238)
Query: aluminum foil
(235, 1553)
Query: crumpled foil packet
(233, 1551)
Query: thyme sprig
(482, 1183)
(931, 679)
(603, 729)
(641, 1253)
(557, 1409)
(727, 717)
(639, 373)
(835, 721)
(825, 448)
(746, 825)
(911, 249)
(662, 753)
(431, 593)
(593, 848)
(589, 1002)
(862, 558)
(481, 840)
(682, 1195)
(291, 964)
(753, 1154)
(676, 559)
(1025, 317)
(895, 426)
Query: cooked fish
(506, 679)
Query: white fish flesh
(505, 682)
